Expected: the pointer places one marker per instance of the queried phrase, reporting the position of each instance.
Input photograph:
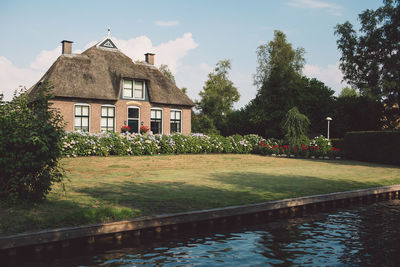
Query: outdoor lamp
(329, 120)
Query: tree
(352, 112)
(348, 92)
(164, 69)
(218, 95)
(30, 139)
(295, 126)
(282, 87)
(277, 52)
(370, 61)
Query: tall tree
(218, 95)
(370, 61)
(277, 52)
(167, 72)
(282, 87)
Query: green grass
(103, 189)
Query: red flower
(125, 128)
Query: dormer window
(133, 89)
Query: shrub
(373, 146)
(30, 141)
(295, 126)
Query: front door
(133, 119)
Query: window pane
(138, 85)
(172, 115)
(85, 121)
(111, 122)
(133, 113)
(78, 122)
(85, 110)
(103, 122)
(153, 114)
(110, 112)
(127, 84)
(178, 115)
(157, 114)
(78, 110)
(104, 111)
(127, 92)
(138, 93)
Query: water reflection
(358, 236)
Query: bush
(104, 144)
(373, 146)
(30, 134)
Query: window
(133, 89)
(81, 121)
(107, 118)
(175, 121)
(156, 121)
(133, 119)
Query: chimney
(66, 47)
(149, 57)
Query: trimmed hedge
(373, 146)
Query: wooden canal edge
(171, 222)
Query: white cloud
(334, 9)
(12, 77)
(330, 75)
(169, 53)
(44, 60)
(167, 23)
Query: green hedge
(373, 146)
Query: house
(102, 89)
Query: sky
(190, 36)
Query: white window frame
(89, 114)
(172, 109)
(133, 89)
(115, 115)
(127, 116)
(162, 118)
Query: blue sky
(189, 36)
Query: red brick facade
(66, 107)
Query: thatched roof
(97, 74)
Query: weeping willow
(295, 126)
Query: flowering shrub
(104, 144)
(125, 129)
(144, 129)
(318, 147)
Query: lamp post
(329, 120)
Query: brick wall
(66, 107)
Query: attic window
(133, 89)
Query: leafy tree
(370, 61)
(30, 138)
(201, 123)
(282, 87)
(167, 72)
(277, 52)
(348, 92)
(352, 112)
(295, 126)
(184, 90)
(218, 95)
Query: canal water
(362, 235)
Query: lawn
(103, 189)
